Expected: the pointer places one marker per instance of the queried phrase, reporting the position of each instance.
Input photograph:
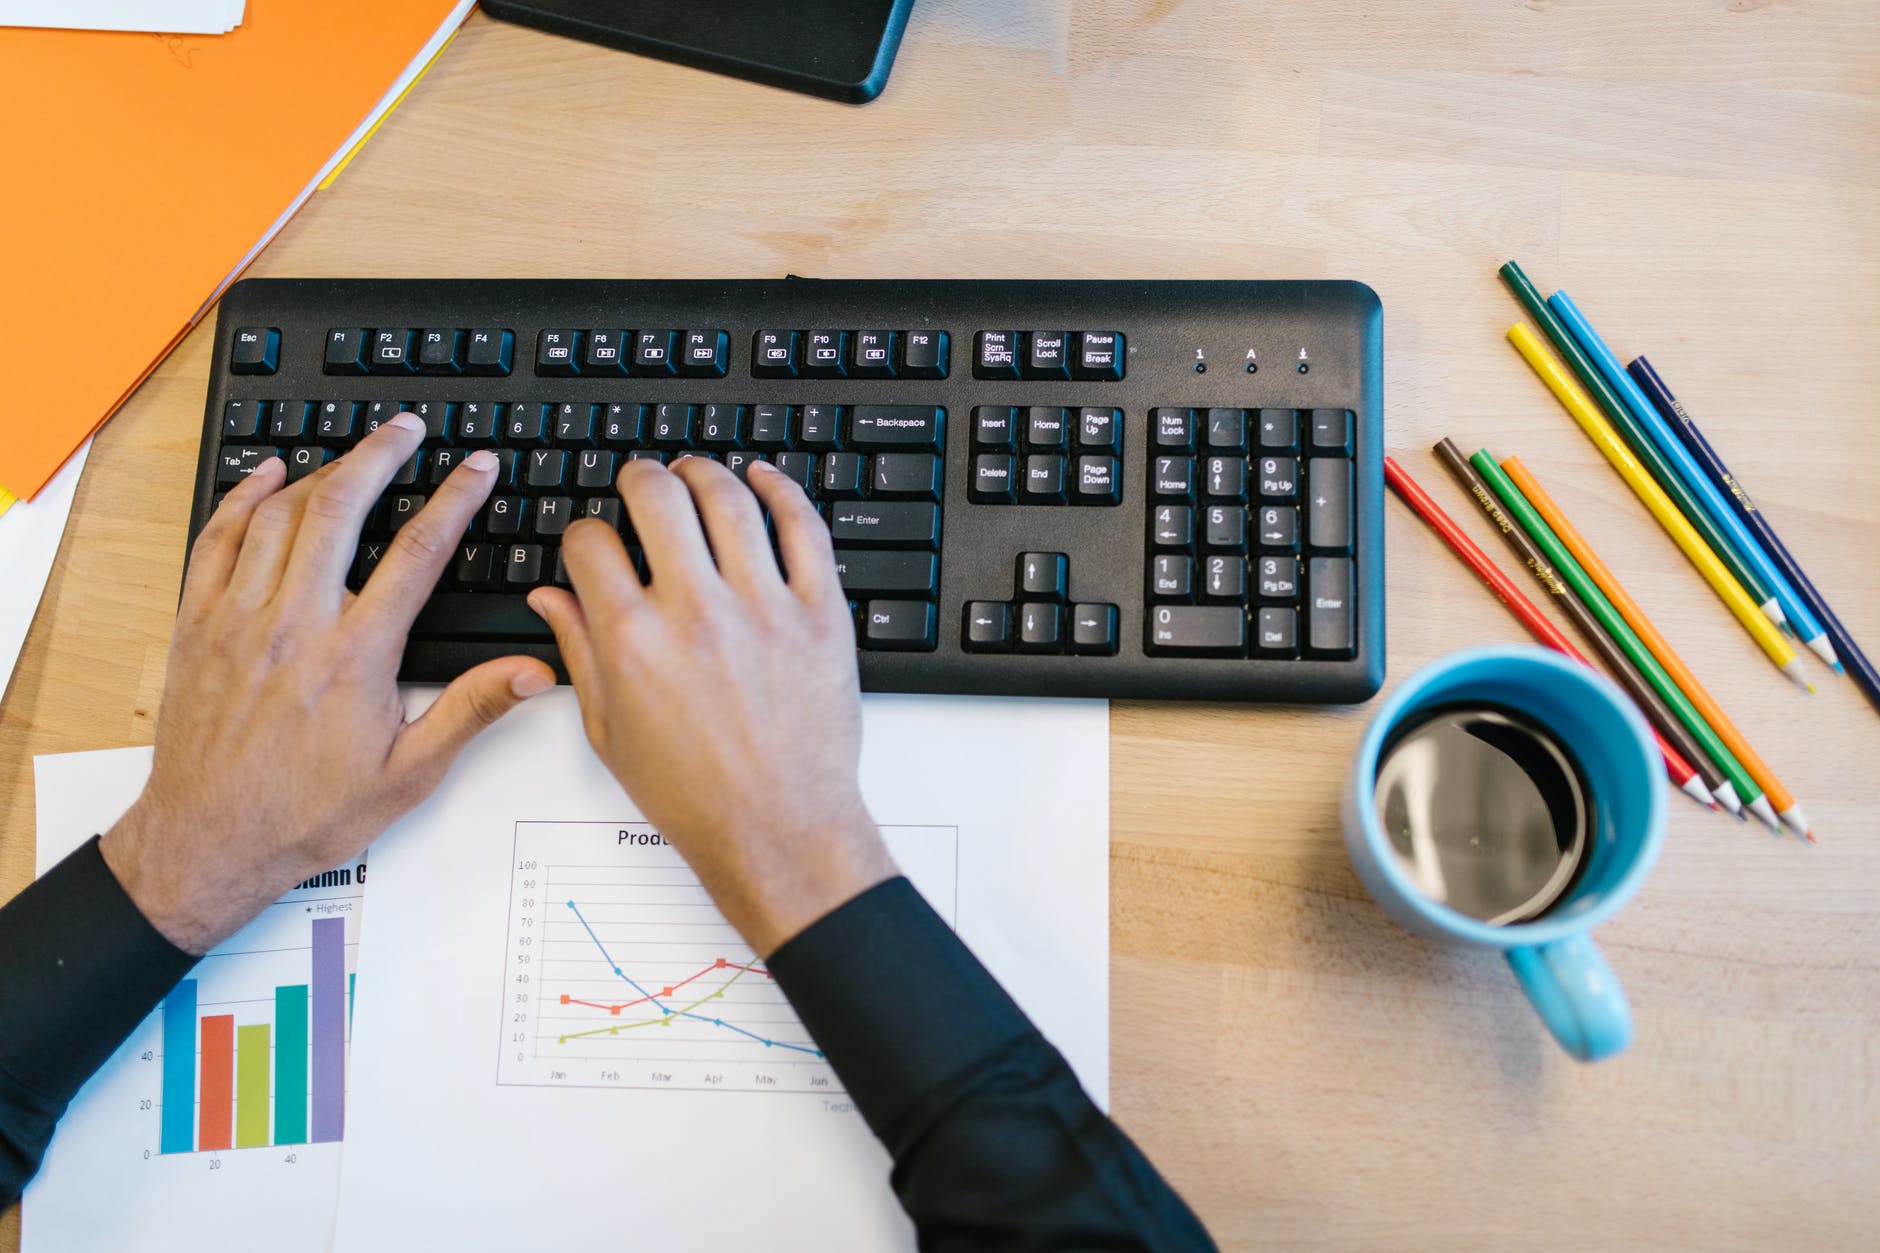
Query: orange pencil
(1758, 769)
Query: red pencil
(1682, 775)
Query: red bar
(216, 1130)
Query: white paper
(460, 1136)
(29, 540)
(106, 1183)
(170, 17)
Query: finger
(808, 557)
(341, 496)
(212, 559)
(598, 566)
(415, 559)
(733, 525)
(267, 544)
(568, 621)
(663, 516)
(474, 700)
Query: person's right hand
(723, 697)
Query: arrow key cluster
(1041, 618)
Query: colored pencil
(1642, 448)
(1616, 626)
(1668, 729)
(1780, 799)
(1800, 618)
(1864, 673)
(1700, 554)
(1683, 776)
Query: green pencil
(1530, 520)
(1636, 439)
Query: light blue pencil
(1807, 627)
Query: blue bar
(179, 1069)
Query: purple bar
(329, 1028)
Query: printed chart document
(217, 1125)
(562, 1044)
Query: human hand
(724, 698)
(282, 746)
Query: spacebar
(469, 616)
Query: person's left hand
(282, 746)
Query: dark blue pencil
(1680, 421)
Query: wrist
(809, 875)
(166, 890)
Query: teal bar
(290, 1064)
(178, 1133)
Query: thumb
(474, 700)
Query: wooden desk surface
(1701, 176)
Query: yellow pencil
(1597, 429)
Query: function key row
(609, 353)
(834, 354)
(407, 350)
(1021, 455)
(1048, 355)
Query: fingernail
(410, 421)
(531, 683)
(684, 456)
(481, 459)
(762, 467)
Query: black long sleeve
(80, 967)
(995, 1144)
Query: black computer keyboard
(1167, 490)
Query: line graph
(620, 972)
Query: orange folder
(142, 171)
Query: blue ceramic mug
(1553, 956)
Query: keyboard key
(1279, 578)
(1045, 428)
(842, 475)
(995, 355)
(819, 426)
(995, 428)
(391, 352)
(653, 353)
(508, 464)
(1332, 621)
(1044, 480)
(886, 524)
(1044, 576)
(1040, 627)
(287, 420)
(1099, 355)
(522, 565)
(443, 461)
(774, 354)
(1224, 579)
(475, 566)
(256, 350)
(605, 353)
(1279, 478)
(825, 354)
(721, 426)
(1093, 630)
(1227, 430)
(468, 616)
(606, 509)
(621, 425)
(1224, 526)
(336, 422)
(400, 509)
(1278, 529)
(1328, 504)
(505, 516)
(346, 350)
(410, 472)
(1047, 355)
(900, 626)
(649, 454)
(438, 350)
(1175, 478)
(1331, 432)
(1227, 478)
(241, 419)
(1100, 430)
(1172, 578)
(799, 468)
(1198, 630)
(924, 355)
(1172, 526)
(548, 469)
(987, 626)
(885, 572)
(477, 423)
(1279, 430)
(574, 425)
(437, 416)
(770, 426)
(994, 478)
(371, 552)
(1098, 482)
(873, 355)
(738, 461)
(377, 413)
(897, 426)
(594, 471)
(304, 461)
(527, 426)
(553, 514)
(706, 353)
(1174, 430)
(904, 476)
(489, 352)
(1277, 632)
(672, 424)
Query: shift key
(885, 524)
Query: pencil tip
(1839, 668)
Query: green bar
(251, 1086)
(1530, 520)
(290, 1064)
(1630, 431)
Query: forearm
(995, 1144)
(80, 967)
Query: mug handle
(1576, 995)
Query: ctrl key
(899, 626)
(1198, 630)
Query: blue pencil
(1679, 419)
(1799, 617)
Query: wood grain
(1701, 175)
